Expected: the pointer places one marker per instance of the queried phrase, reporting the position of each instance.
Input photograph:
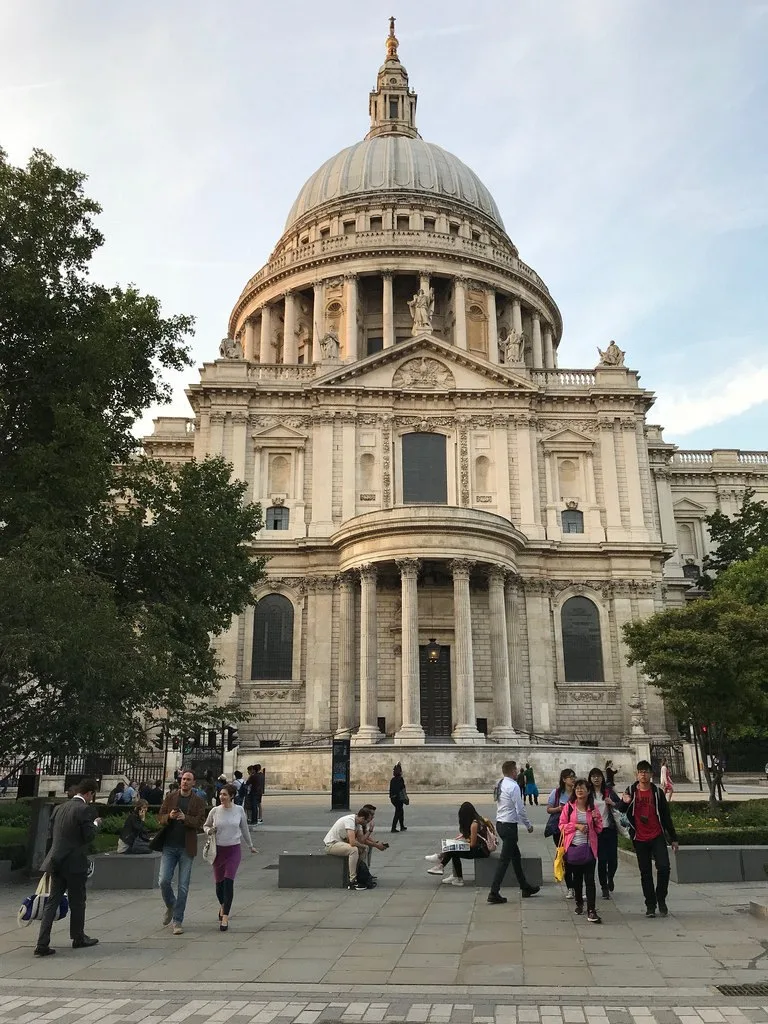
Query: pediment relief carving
(423, 374)
(568, 440)
(279, 434)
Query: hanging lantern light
(433, 650)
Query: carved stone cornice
(217, 418)
(297, 583)
(586, 694)
(346, 581)
(497, 574)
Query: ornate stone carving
(231, 348)
(463, 460)
(637, 715)
(408, 566)
(581, 426)
(593, 695)
(422, 307)
(512, 346)
(484, 499)
(423, 374)
(290, 694)
(329, 344)
(461, 567)
(612, 356)
(217, 418)
(368, 572)
(366, 497)
(386, 472)
(297, 583)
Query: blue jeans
(171, 857)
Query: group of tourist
(585, 816)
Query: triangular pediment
(688, 505)
(424, 363)
(568, 440)
(279, 432)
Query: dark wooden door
(435, 679)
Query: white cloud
(683, 410)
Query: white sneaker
(457, 881)
(432, 856)
(570, 894)
(435, 871)
(448, 879)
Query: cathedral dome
(394, 163)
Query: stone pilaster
(411, 732)
(513, 601)
(346, 695)
(538, 355)
(248, 341)
(368, 731)
(317, 706)
(350, 289)
(502, 730)
(465, 731)
(387, 310)
(493, 327)
(318, 319)
(265, 340)
(460, 312)
(613, 526)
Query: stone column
(673, 565)
(317, 706)
(549, 348)
(387, 310)
(248, 341)
(290, 347)
(465, 731)
(368, 731)
(460, 312)
(632, 472)
(346, 696)
(493, 329)
(318, 319)
(411, 732)
(424, 281)
(502, 730)
(517, 315)
(514, 606)
(350, 288)
(538, 359)
(265, 343)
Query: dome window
(394, 110)
(376, 223)
(453, 228)
(429, 223)
(403, 223)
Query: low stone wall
(430, 767)
(698, 865)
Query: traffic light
(233, 740)
(213, 739)
(175, 742)
(159, 741)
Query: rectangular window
(429, 223)
(349, 227)
(475, 236)
(394, 110)
(374, 345)
(277, 518)
(325, 232)
(376, 223)
(425, 477)
(403, 223)
(453, 229)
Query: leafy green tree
(116, 572)
(709, 660)
(737, 539)
(746, 581)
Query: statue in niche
(513, 347)
(329, 344)
(231, 348)
(422, 307)
(613, 355)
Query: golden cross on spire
(392, 41)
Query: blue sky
(626, 145)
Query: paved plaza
(410, 950)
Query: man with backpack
(510, 812)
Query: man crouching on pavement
(342, 840)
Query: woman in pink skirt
(229, 825)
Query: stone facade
(396, 308)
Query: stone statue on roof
(612, 356)
(230, 348)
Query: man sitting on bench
(342, 841)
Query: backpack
(490, 838)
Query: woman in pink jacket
(580, 823)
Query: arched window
(272, 638)
(277, 518)
(572, 520)
(582, 647)
(567, 471)
(425, 477)
(482, 473)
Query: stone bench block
(485, 869)
(312, 871)
(693, 865)
(125, 871)
(754, 862)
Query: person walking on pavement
(555, 803)
(531, 789)
(398, 797)
(229, 825)
(73, 826)
(609, 805)
(580, 825)
(182, 814)
(510, 812)
(650, 823)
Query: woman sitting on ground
(134, 838)
(473, 828)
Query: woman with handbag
(555, 803)
(610, 807)
(398, 797)
(134, 838)
(226, 826)
(580, 825)
(476, 831)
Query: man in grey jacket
(73, 826)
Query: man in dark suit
(73, 826)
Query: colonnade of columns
(411, 731)
(257, 345)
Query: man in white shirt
(342, 841)
(510, 811)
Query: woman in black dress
(398, 797)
